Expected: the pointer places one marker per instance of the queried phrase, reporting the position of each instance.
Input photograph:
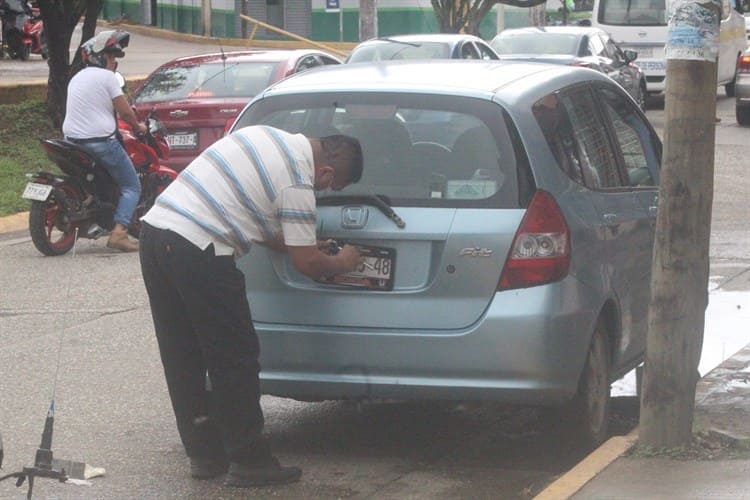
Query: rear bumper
(742, 90)
(529, 347)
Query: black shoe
(265, 474)
(206, 468)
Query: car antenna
(44, 465)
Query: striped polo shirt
(248, 186)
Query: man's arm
(313, 263)
(125, 112)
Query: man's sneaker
(206, 468)
(265, 474)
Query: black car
(575, 46)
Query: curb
(14, 222)
(576, 478)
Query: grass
(21, 127)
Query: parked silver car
(575, 46)
(507, 214)
(742, 89)
(422, 46)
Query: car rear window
(393, 50)
(419, 150)
(207, 80)
(537, 43)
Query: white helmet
(112, 41)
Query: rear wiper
(391, 40)
(379, 201)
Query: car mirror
(630, 55)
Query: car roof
(238, 56)
(426, 37)
(440, 76)
(541, 30)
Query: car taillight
(743, 65)
(541, 248)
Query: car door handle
(652, 211)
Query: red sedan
(197, 97)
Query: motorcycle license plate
(183, 140)
(36, 192)
(376, 273)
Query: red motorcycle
(23, 29)
(83, 199)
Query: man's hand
(350, 257)
(314, 262)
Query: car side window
(558, 131)
(329, 60)
(307, 62)
(613, 51)
(468, 51)
(596, 46)
(485, 52)
(637, 143)
(598, 162)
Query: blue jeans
(113, 157)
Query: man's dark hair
(345, 155)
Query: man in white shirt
(94, 94)
(253, 186)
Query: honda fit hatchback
(506, 212)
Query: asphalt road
(88, 312)
(143, 55)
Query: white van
(641, 25)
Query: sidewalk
(722, 410)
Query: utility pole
(679, 281)
(368, 19)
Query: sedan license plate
(183, 140)
(376, 273)
(36, 192)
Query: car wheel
(589, 410)
(729, 88)
(743, 115)
(642, 98)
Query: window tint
(597, 159)
(638, 145)
(485, 51)
(418, 150)
(307, 62)
(558, 131)
(208, 80)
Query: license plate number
(376, 273)
(36, 192)
(187, 140)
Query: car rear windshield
(633, 12)
(207, 80)
(419, 150)
(537, 43)
(388, 50)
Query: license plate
(36, 192)
(185, 140)
(645, 52)
(376, 273)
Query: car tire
(730, 88)
(743, 115)
(588, 412)
(642, 98)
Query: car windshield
(386, 50)
(633, 12)
(419, 150)
(218, 79)
(536, 43)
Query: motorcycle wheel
(49, 223)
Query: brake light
(743, 64)
(540, 252)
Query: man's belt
(89, 139)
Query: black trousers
(203, 324)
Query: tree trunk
(368, 19)
(679, 280)
(538, 15)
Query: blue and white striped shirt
(248, 186)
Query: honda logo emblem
(354, 217)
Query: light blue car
(507, 211)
